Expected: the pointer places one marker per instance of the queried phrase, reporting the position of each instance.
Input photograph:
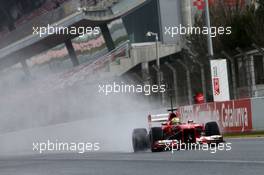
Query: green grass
(245, 135)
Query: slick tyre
(211, 128)
(139, 139)
(155, 134)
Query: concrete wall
(143, 52)
(21, 142)
(257, 113)
(170, 16)
(112, 131)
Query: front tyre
(211, 128)
(139, 139)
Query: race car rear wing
(158, 118)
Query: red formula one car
(172, 132)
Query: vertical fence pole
(175, 84)
(188, 78)
(233, 71)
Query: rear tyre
(139, 139)
(211, 128)
(155, 134)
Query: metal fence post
(248, 73)
(160, 79)
(261, 51)
(233, 71)
(188, 78)
(203, 79)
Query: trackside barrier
(232, 116)
(257, 113)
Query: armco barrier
(232, 116)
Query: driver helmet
(175, 120)
(190, 121)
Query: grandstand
(33, 66)
(122, 29)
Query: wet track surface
(246, 157)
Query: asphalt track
(245, 158)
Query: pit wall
(244, 115)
